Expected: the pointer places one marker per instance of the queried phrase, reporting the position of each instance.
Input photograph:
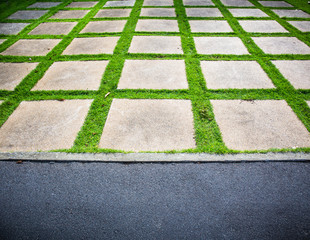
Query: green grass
(207, 134)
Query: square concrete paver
(259, 125)
(53, 28)
(156, 44)
(81, 4)
(209, 26)
(220, 45)
(149, 125)
(113, 13)
(104, 26)
(158, 3)
(198, 3)
(31, 47)
(303, 26)
(235, 74)
(203, 12)
(156, 25)
(12, 28)
(2, 41)
(157, 12)
(44, 4)
(291, 13)
(237, 3)
(11, 74)
(28, 14)
(296, 71)
(70, 14)
(98, 45)
(236, 12)
(153, 74)
(79, 75)
(43, 125)
(262, 26)
(122, 3)
(281, 45)
(275, 4)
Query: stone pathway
(214, 76)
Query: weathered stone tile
(104, 26)
(275, 4)
(77, 75)
(12, 28)
(28, 14)
(11, 74)
(31, 47)
(156, 25)
(209, 26)
(308, 102)
(81, 4)
(198, 3)
(237, 3)
(149, 125)
(68, 14)
(247, 12)
(44, 4)
(203, 12)
(113, 13)
(220, 45)
(291, 13)
(53, 28)
(235, 74)
(296, 71)
(153, 74)
(157, 12)
(156, 44)
(259, 125)
(98, 45)
(43, 125)
(262, 26)
(281, 45)
(158, 3)
(303, 26)
(122, 3)
(2, 41)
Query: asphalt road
(154, 201)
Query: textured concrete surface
(158, 3)
(156, 25)
(291, 13)
(281, 45)
(220, 45)
(157, 12)
(12, 28)
(156, 44)
(262, 26)
(149, 125)
(104, 26)
(2, 41)
(234, 74)
(78, 75)
(28, 14)
(275, 4)
(203, 12)
(53, 28)
(98, 45)
(123, 3)
(247, 12)
(31, 47)
(44, 4)
(153, 74)
(259, 125)
(43, 125)
(303, 26)
(198, 3)
(209, 26)
(237, 3)
(113, 13)
(11, 74)
(67, 14)
(81, 4)
(297, 72)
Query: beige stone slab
(308, 102)
(296, 71)
(1, 102)
(156, 44)
(156, 25)
(12, 28)
(220, 45)
(259, 125)
(209, 26)
(2, 41)
(31, 47)
(157, 12)
(104, 26)
(11, 74)
(291, 13)
(248, 12)
(44, 4)
(281, 45)
(43, 125)
(158, 3)
(237, 3)
(121, 3)
(275, 4)
(53, 28)
(68, 14)
(262, 26)
(149, 125)
(98, 45)
(113, 13)
(235, 74)
(78, 75)
(81, 4)
(203, 12)
(198, 3)
(153, 74)
(303, 26)
(28, 14)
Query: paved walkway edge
(152, 157)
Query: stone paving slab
(209, 26)
(79, 75)
(2, 41)
(113, 13)
(235, 74)
(155, 25)
(203, 12)
(259, 125)
(12, 28)
(158, 3)
(31, 47)
(198, 3)
(11, 74)
(81, 4)
(149, 125)
(104, 26)
(303, 26)
(153, 74)
(53, 28)
(28, 14)
(237, 3)
(43, 125)
(68, 14)
(275, 4)
(157, 12)
(123, 3)
(262, 26)
(44, 4)
(236, 12)
(291, 13)
(296, 71)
